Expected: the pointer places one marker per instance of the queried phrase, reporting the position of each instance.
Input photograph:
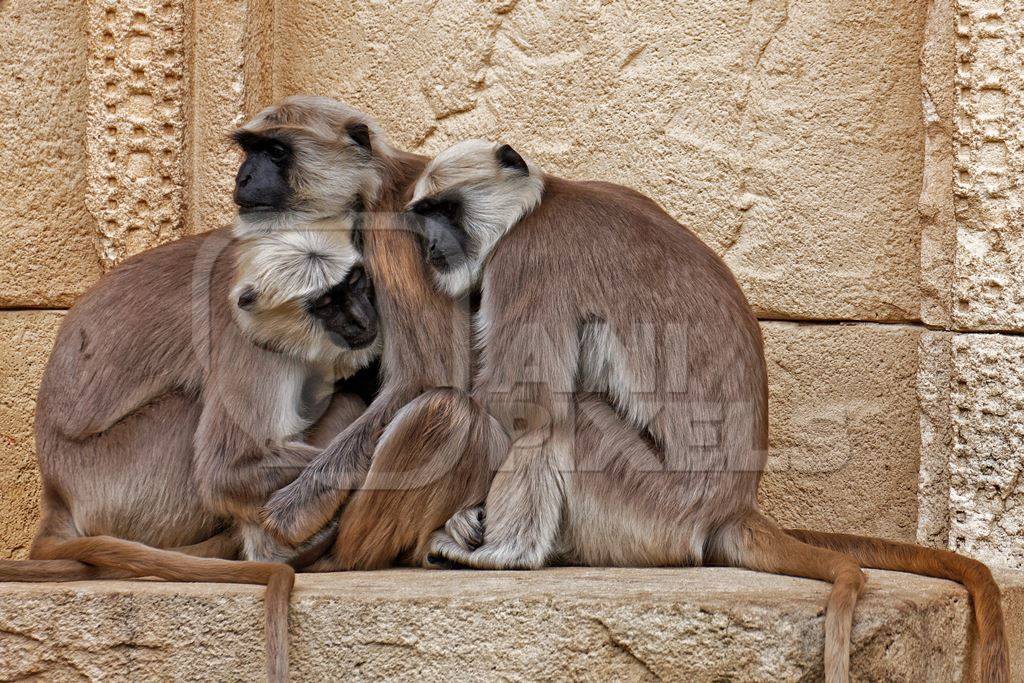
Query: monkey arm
(303, 506)
(434, 459)
(236, 472)
(527, 383)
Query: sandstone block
(136, 124)
(753, 123)
(29, 337)
(47, 234)
(232, 74)
(972, 481)
(844, 437)
(589, 624)
(982, 263)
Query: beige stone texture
(231, 78)
(788, 134)
(844, 439)
(28, 337)
(938, 221)
(569, 624)
(933, 384)
(46, 231)
(989, 287)
(972, 393)
(1011, 586)
(976, 260)
(136, 77)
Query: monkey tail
(878, 553)
(41, 571)
(106, 557)
(759, 544)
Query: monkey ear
(360, 134)
(510, 159)
(247, 298)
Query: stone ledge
(591, 624)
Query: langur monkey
(182, 387)
(621, 356)
(394, 495)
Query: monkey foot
(443, 548)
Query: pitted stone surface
(988, 284)
(136, 105)
(844, 437)
(29, 337)
(973, 397)
(46, 231)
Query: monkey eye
(277, 152)
(355, 277)
(323, 301)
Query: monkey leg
(301, 508)
(434, 459)
(755, 542)
(524, 507)
(258, 545)
(142, 560)
(882, 554)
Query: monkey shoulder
(133, 328)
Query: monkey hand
(303, 507)
(466, 527)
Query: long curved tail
(758, 543)
(106, 557)
(878, 553)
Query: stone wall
(857, 164)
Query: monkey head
(306, 158)
(467, 198)
(338, 323)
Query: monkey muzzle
(347, 312)
(351, 335)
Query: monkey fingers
(303, 507)
(444, 552)
(466, 527)
(443, 549)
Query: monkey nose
(437, 258)
(358, 333)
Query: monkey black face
(347, 311)
(261, 185)
(443, 238)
